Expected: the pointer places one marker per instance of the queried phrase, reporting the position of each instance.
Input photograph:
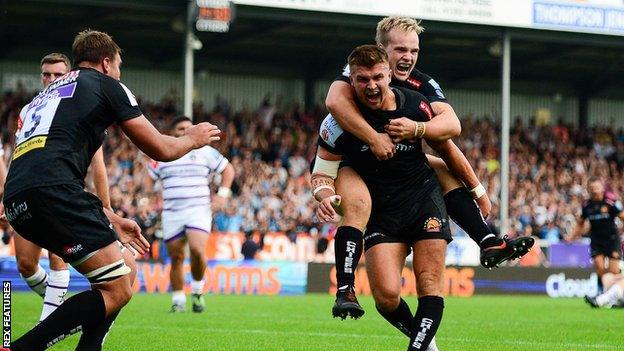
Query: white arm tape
(323, 187)
(478, 191)
(328, 168)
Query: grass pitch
(304, 323)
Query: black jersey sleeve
(344, 75)
(584, 213)
(429, 88)
(331, 135)
(122, 102)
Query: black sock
(81, 310)
(462, 208)
(426, 322)
(401, 318)
(92, 338)
(348, 247)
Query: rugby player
(407, 208)
(45, 201)
(601, 212)
(399, 37)
(186, 215)
(613, 295)
(52, 287)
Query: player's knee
(177, 257)
(428, 283)
(387, 299)
(196, 252)
(357, 210)
(131, 263)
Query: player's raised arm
(167, 148)
(340, 102)
(324, 173)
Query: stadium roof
(313, 45)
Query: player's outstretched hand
(383, 148)
(401, 129)
(326, 210)
(203, 134)
(485, 205)
(130, 235)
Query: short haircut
(93, 46)
(178, 119)
(367, 56)
(55, 57)
(405, 24)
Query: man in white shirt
(187, 215)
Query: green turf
(304, 323)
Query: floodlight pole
(189, 62)
(505, 127)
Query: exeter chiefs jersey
(63, 126)
(601, 216)
(185, 180)
(393, 183)
(417, 81)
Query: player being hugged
(407, 208)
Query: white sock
(611, 296)
(197, 286)
(179, 298)
(58, 282)
(38, 281)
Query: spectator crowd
(270, 147)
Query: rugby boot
(347, 305)
(177, 308)
(198, 303)
(493, 256)
(522, 246)
(592, 301)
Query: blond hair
(405, 24)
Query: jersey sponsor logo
(331, 129)
(433, 225)
(604, 209)
(325, 134)
(66, 79)
(31, 144)
(414, 82)
(424, 106)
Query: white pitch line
(351, 335)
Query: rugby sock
(38, 281)
(85, 310)
(611, 297)
(464, 211)
(401, 318)
(92, 338)
(197, 287)
(348, 247)
(58, 281)
(426, 322)
(178, 297)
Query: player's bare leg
(614, 292)
(110, 275)
(384, 265)
(348, 244)
(175, 250)
(614, 263)
(27, 256)
(197, 245)
(463, 209)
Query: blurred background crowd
(270, 147)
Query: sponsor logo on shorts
(372, 235)
(433, 225)
(14, 210)
(70, 250)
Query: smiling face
(402, 48)
(371, 85)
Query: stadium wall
(605, 112)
